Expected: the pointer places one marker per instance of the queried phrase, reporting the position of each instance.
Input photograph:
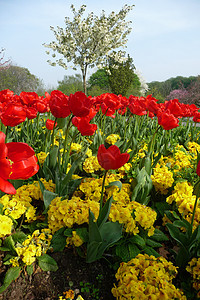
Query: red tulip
(59, 104)
(50, 124)
(175, 107)
(79, 104)
(31, 113)
(83, 126)
(167, 120)
(17, 161)
(111, 158)
(13, 114)
(198, 168)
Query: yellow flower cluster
(70, 212)
(91, 165)
(5, 225)
(75, 240)
(182, 159)
(90, 189)
(70, 294)
(146, 277)
(141, 153)
(193, 148)
(20, 203)
(35, 245)
(75, 147)
(41, 157)
(124, 169)
(162, 178)
(122, 206)
(184, 198)
(112, 138)
(194, 269)
(143, 216)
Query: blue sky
(164, 41)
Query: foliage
(121, 75)
(88, 42)
(162, 90)
(99, 78)
(70, 84)
(19, 79)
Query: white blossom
(89, 42)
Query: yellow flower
(112, 138)
(5, 225)
(146, 277)
(91, 165)
(41, 157)
(162, 178)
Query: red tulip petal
(24, 169)
(19, 151)
(7, 187)
(5, 168)
(3, 148)
(114, 150)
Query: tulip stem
(53, 133)
(102, 190)
(65, 142)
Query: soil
(92, 281)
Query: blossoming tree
(90, 41)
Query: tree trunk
(84, 80)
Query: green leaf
(110, 232)
(68, 232)
(159, 236)
(137, 239)
(58, 241)
(83, 233)
(10, 244)
(53, 154)
(71, 171)
(70, 187)
(47, 263)
(177, 235)
(29, 269)
(94, 234)
(182, 257)
(1, 209)
(115, 183)
(150, 251)
(12, 274)
(19, 237)
(127, 251)
(162, 207)
(47, 198)
(92, 249)
(104, 213)
(152, 243)
(182, 223)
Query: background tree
(70, 84)
(99, 78)
(89, 42)
(193, 92)
(135, 87)
(121, 75)
(162, 89)
(19, 79)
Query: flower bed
(107, 177)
